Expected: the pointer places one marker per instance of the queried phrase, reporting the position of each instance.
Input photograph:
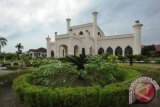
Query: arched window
(63, 53)
(118, 51)
(90, 50)
(100, 51)
(76, 53)
(80, 33)
(30, 55)
(52, 53)
(109, 51)
(83, 51)
(128, 50)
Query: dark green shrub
(11, 56)
(139, 57)
(4, 64)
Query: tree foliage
(148, 50)
(3, 42)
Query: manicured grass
(141, 67)
(147, 70)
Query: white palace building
(89, 39)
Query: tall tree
(19, 47)
(3, 42)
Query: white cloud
(27, 16)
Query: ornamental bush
(103, 71)
(55, 74)
(99, 70)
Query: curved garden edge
(114, 94)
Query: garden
(85, 81)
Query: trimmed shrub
(113, 95)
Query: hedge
(6, 79)
(113, 95)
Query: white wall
(114, 42)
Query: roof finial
(137, 21)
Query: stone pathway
(9, 99)
(5, 71)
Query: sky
(29, 22)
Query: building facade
(89, 39)
(37, 53)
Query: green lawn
(141, 67)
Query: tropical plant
(19, 47)
(130, 57)
(79, 61)
(3, 42)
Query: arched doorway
(109, 51)
(52, 53)
(83, 51)
(128, 50)
(63, 50)
(118, 51)
(100, 51)
(76, 50)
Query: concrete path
(9, 99)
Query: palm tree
(19, 47)
(3, 42)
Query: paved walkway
(9, 99)
(5, 71)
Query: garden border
(114, 94)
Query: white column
(68, 24)
(95, 32)
(56, 53)
(137, 38)
(123, 52)
(86, 43)
(48, 39)
(70, 45)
